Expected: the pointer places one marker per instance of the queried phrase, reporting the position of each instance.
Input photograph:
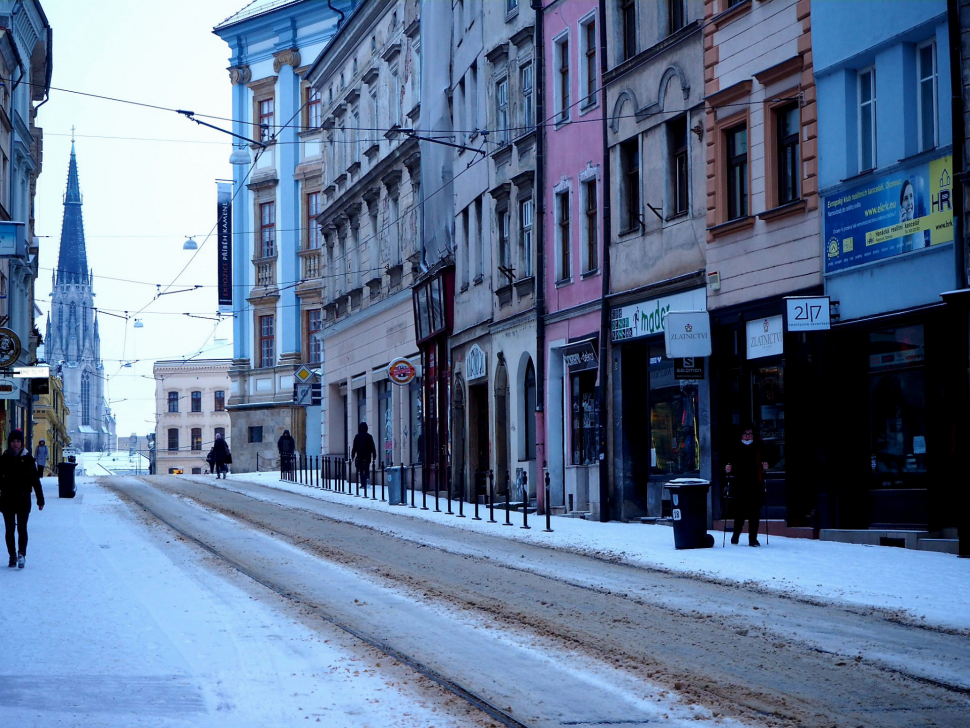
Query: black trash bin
(688, 500)
(66, 485)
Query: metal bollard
(491, 496)
(384, 480)
(525, 503)
(475, 496)
(548, 528)
(449, 511)
(412, 484)
(461, 504)
(424, 496)
(436, 493)
(373, 482)
(508, 499)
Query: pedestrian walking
(747, 489)
(364, 449)
(286, 446)
(18, 476)
(40, 456)
(221, 457)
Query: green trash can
(688, 502)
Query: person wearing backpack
(18, 476)
(221, 457)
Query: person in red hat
(18, 476)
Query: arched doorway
(458, 474)
(502, 465)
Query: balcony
(312, 263)
(265, 271)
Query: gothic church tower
(73, 344)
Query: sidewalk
(927, 588)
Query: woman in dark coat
(221, 457)
(748, 485)
(18, 476)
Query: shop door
(458, 427)
(478, 442)
(768, 416)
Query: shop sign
(9, 347)
(765, 337)
(476, 365)
(908, 210)
(650, 317)
(9, 388)
(688, 333)
(32, 372)
(401, 371)
(13, 241)
(580, 357)
(808, 313)
(689, 368)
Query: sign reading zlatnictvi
(224, 245)
(886, 216)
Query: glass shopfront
(674, 424)
(585, 418)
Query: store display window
(584, 418)
(768, 395)
(674, 424)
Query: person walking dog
(40, 456)
(18, 476)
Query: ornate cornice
(289, 57)
(240, 75)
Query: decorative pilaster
(290, 57)
(240, 75)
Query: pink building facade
(573, 233)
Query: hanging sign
(808, 313)
(32, 372)
(224, 247)
(764, 337)
(688, 333)
(13, 241)
(401, 371)
(9, 388)
(9, 347)
(475, 364)
(580, 356)
(689, 368)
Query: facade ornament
(290, 57)
(240, 75)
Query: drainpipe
(540, 197)
(336, 10)
(604, 308)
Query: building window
(677, 156)
(361, 405)
(737, 172)
(867, 119)
(562, 215)
(196, 438)
(927, 96)
(416, 444)
(314, 327)
(196, 401)
(588, 38)
(525, 237)
(502, 111)
(196, 471)
(528, 102)
(85, 399)
(267, 119)
(511, 6)
(395, 91)
(314, 236)
(267, 229)
(584, 419)
(173, 401)
(529, 426)
(480, 236)
(678, 15)
(628, 22)
(504, 239)
(173, 439)
(267, 341)
(562, 85)
(220, 432)
(220, 400)
(314, 108)
(630, 184)
(385, 423)
(464, 262)
(789, 162)
(256, 433)
(591, 232)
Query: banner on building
(224, 246)
(886, 216)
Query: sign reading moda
(650, 317)
(908, 210)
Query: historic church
(73, 344)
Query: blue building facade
(886, 178)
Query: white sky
(141, 198)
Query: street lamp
(190, 244)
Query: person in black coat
(747, 487)
(18, 476)
(221, 457)
(286, 446)
(364, 449)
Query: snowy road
(549, 638)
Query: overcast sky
(147, 176)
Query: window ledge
(564, 282)
(732, 14)
(675, 216)
(789, 208)
(477, 280)
(525, 286)
(629, 231)
(561, 122)
(742, 223)
(591, 104)
(590, 273)
(463, 288)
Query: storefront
(661, 425)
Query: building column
(288, 202)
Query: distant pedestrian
(286, 446)
(221, 457)
(18, 476)
(364, 449)
(40, 455)
(747, 487)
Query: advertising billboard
(890, 215)
(224, 247)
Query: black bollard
(491, 497)
(412, 484)
(449, 511)
(436, 493)
(461, 503)
(525, 504)
(373, 482)
(508, 499)
(424, 496)
(548, 528)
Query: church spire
(72, 263)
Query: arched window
(85, 399)
(529, 426)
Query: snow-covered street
(119, 621)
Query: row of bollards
(336, 474)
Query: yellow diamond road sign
(303, 374)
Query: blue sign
(887, 216)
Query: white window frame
(526, 231)
(563, 271)
(562, 112)
(934, 77)
(587, 265)
(502, 109)
(871, 71)
(588, 102)
(527, 73)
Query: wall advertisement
(650, 317)
(224, 247)
(886, 216)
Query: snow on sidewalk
(925, 587)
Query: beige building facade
(190, 409)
